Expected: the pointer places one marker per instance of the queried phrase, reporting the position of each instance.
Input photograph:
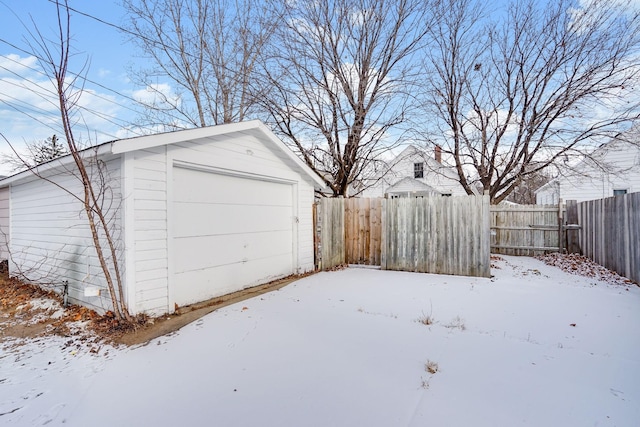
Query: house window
(619, 192)
(418, 170)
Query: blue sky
(107, 108)
(105, 47)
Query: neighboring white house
(197, 214)
(4, 223)
(414, 173)
(614, 171)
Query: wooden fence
(450, 235)
(363, 230)
(329, 238)
(446, 235)
(610, 233)
(443, 235)
(526, 229)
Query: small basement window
(418, 170)
(619, 192)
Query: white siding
(4, 223)
(621, 171)
(438, 176)
(548, 194)
(150, 258)
(411, 187)
(50, 236)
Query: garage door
(229, 233)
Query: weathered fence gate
(526, 229)
(363, 230)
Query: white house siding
(4, 223)
(149, 210)
(622, 172)
(50, 236)
(411, 187)
(436, 175)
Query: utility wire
(93, 82)
(35, 70)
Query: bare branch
(343, 75)
(514, 97)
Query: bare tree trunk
(68, 94)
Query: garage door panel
(211, 283)
(228, 233)
(221, 250)
(191, 186)
(211, 219)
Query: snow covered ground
(532, 346)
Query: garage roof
(253, 127)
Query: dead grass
(456, 323)
(431, 367)
(20, 318)
(425, 319)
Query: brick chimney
(438, 153)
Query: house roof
(253, 127)
(411, 184)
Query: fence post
(316, 237)
(560, 226)
(572, 233)
(383, 233)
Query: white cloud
(160, 94)
(13, 64)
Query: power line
(86, 79)
(125, 124)
(48, 94)
(26, 52)
(35, 70)
(141, 36)
(30, 116)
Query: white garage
(198, 213)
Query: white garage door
(229, 233)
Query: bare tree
(343, 76)
(95, 195)
(37, 152)
(208, 49)
(546, 82)
(525, 192)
